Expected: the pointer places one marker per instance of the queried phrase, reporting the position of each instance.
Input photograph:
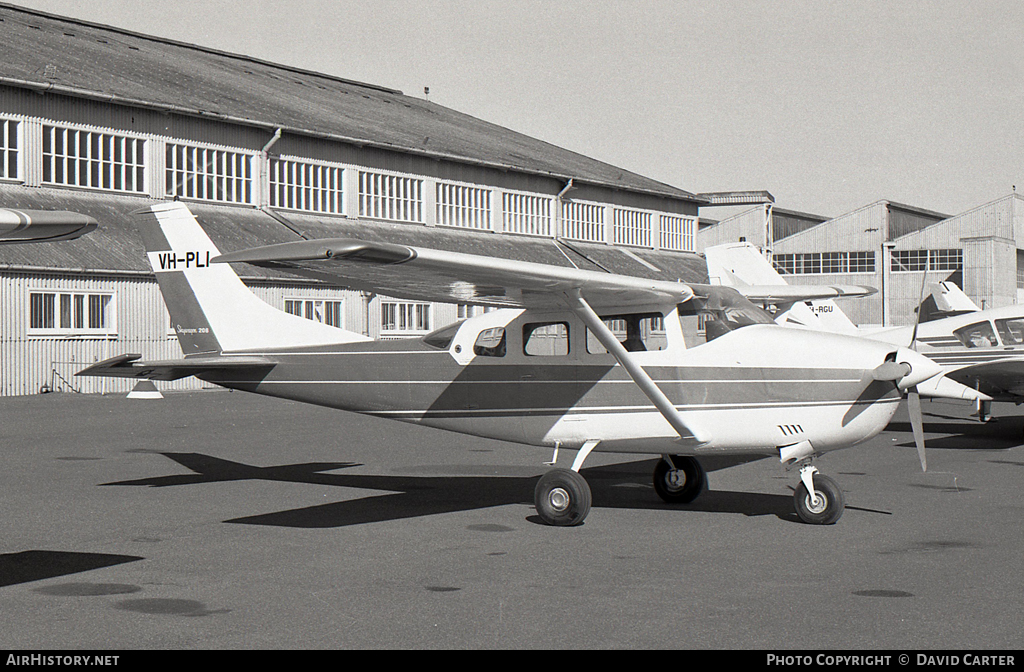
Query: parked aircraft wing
(417, 273)
(42, 226)
(997, 377)
(130, 366)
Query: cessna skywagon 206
(546, 369)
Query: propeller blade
(917, 424)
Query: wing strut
(580, 306)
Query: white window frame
(308, 186)
(202, 172)
(583, 221)
(93, 158)
(945, 259)
(631, 227)
(676, 232)
(391, 196)
(11, 156)
(403, 318)
(78, 307)
(463, 206)
(527, 214)
(317, 309)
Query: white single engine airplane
(546, 369)
(981, 352)
(42, 226)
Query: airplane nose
(921, 368)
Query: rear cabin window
(546, 339)
(637, 332)
(490, 343)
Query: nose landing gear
(818, 499)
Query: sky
(830, 106)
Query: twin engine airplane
(981, 352)
(549, 367)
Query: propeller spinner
(907, 368)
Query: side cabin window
(546, 339)
(637, 332)
(490, 343)
(1011, 332)
(978, 335)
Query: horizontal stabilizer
(129, 366)
(790, 293)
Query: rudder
(210, 307)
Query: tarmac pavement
(223, 520)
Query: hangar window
(631, 227)
(582, 221)
(932, 260)
(71, 313)
(9, 149)
(80, 158)
(463, 206)
(390, 197)
(404, 319)
(306, 186)
(209, 174)
(318, 310)
(676, 233)
(522, 213)
(812, 263)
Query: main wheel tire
(823, 510)
(681, 485)
(562, 497)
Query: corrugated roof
(43, 51)
(116, 246)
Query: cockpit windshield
(723, 309)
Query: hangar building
(105, 121)
(894, 248)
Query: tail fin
(211, 310)
(738, 264)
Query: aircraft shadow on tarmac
(961, 434)
(626, 486)
(37, 565)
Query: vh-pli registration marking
(169, 261)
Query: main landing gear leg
(562, 496)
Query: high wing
(424, 274)
(42, 226)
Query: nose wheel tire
(562, 497)
(825, 507)
(680, 485)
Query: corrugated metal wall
(32, 363)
